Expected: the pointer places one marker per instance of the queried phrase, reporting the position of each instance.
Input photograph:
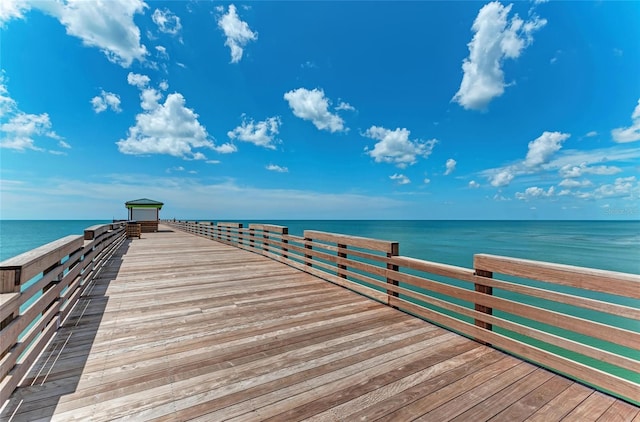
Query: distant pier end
(146, 212)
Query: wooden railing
(39, 288)
(577, 321)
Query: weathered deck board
(178, 327)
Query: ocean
(18, 236)
(608, 245)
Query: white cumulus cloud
(277, 168)
(345, 106)
(314, 106)
(401, 179)
(167, 22)
(150, 98)
(262, 133)
(164, 128)
(226, 148)
(631, 133)
(535, 192)
(451, 166)
(502, 177)
(106, 100)
(543, 147)
(237, 32)
(473, 184)
(496, 38)
(12, 9)
(395, 147)
(19, 130)
(572, 171)
(172, 169)
(624, 187)
(539, 154)
(107, 25)
(162, 52)
(22, 128)
(567, 164)
(138, 80)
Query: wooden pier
(177, 326)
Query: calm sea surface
(17, 236)
(610, 245)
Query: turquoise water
(609, 245)
(18, 236)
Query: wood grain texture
(39, 259)
(568, 322)
(178, 327)
(356, 241)
(96, 231)
(612, 282)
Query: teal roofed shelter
(146, 212)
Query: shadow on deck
(58, 370)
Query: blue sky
(320, 110)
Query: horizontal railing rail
(39, 288)
(577, 321)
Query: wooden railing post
(252, 234)
(285, 250)
(9, 283)
(49, 286)
(342, 254)
(239, 234)
(488, 290)
(265, 238)
(307, 245)
(395, 251)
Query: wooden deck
(179, 327)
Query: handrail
(39, 288)
(542, 312)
